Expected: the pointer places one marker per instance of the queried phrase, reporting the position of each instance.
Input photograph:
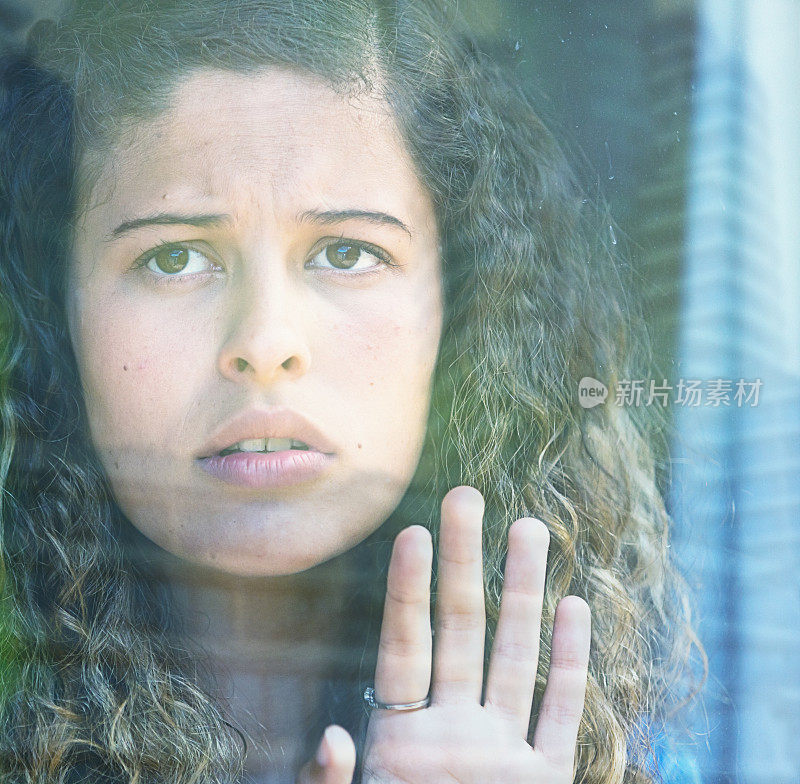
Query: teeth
(265, 445)
(251, 445)
(278, 444)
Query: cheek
(392, 354)
(136, 375)
(383, 368)
(394, 346)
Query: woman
(328, 231)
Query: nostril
(241, 364)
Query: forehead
(275, 134)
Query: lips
(279, 422)
(268, 470)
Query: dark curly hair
(534, 301)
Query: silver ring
(369, 698)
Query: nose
(266, 339)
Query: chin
(280, 548)
(257, 536)
(270, 564)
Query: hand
(457, 739)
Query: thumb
(334, 762)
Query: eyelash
(168, 279)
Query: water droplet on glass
(516, 46)
(610, 166)
(613, 235)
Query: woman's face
(259, 262)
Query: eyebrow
(327, 217)
(169, 219)
(324, 217)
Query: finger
(562, 704)
(515, 654)
(403, 669)
(460, 612)
(334, 762)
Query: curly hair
(534, 299)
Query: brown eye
(171, 259)
(350, 256)
(343, 254)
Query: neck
(270, 644)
